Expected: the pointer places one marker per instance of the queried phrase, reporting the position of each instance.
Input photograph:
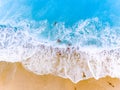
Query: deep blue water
(82, 22)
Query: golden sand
(14, 77)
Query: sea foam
(88, 49)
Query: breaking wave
(88, 49)
(63, 38)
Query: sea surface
(90, 25)
(77, 22)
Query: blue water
(68, 11)
(75, 39)
(73, 22)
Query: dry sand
(14, 77)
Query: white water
(94, 50)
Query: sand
(14, 77)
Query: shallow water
(33, 30)
(81, 23)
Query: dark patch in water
(83, 75)
(58, 40)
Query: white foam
(74, 64)
(75, 56)
(15, 45)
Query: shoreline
(63, 62)
(15, 77)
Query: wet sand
(14, 77)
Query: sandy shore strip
(14, 77)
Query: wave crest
(88, 49)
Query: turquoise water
(66, 11)
(72, 22)
(75, 39)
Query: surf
(50, 39)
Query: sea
(91, 26)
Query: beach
(59, 45)
(13, 76)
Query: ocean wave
(89, 48)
